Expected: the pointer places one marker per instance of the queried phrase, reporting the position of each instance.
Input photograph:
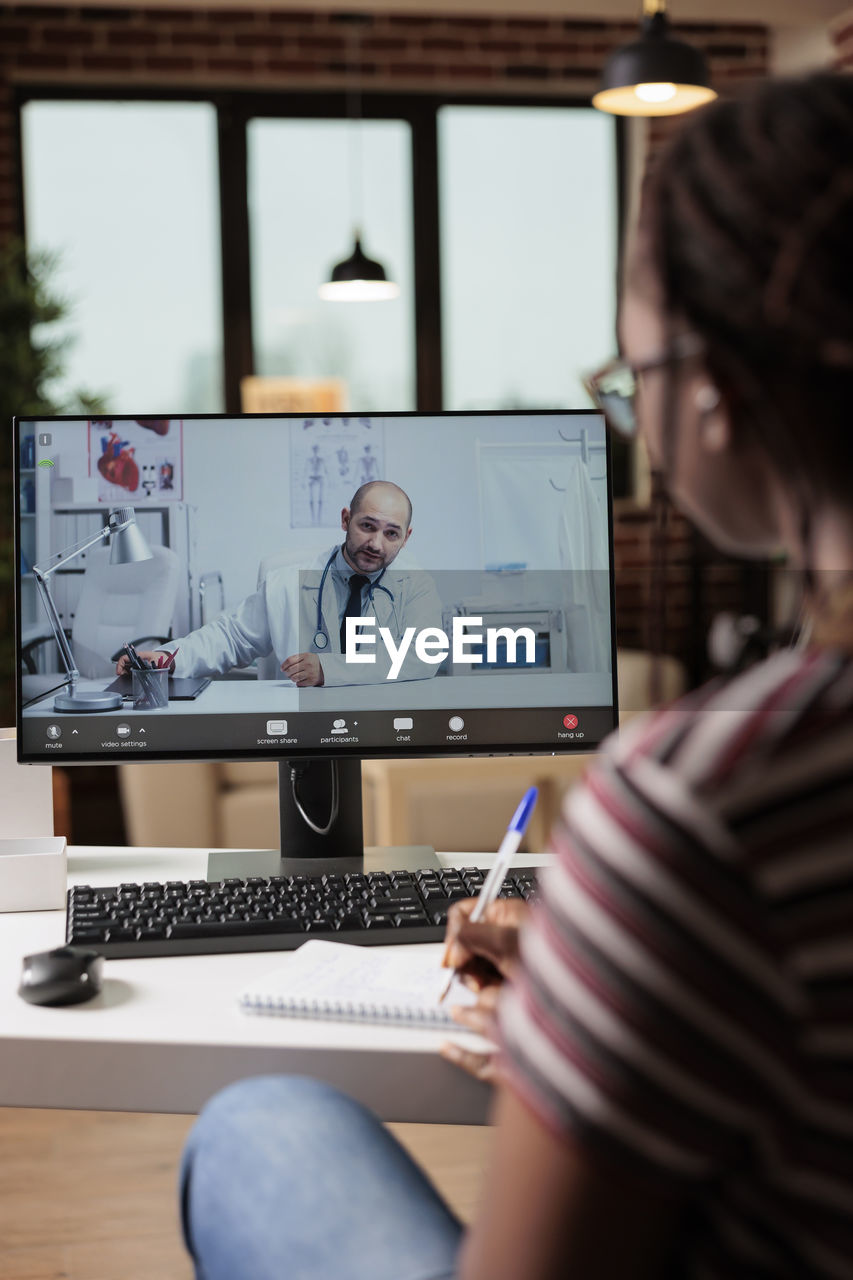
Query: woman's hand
(484, 955)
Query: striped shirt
(685, 996)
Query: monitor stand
(307, 852)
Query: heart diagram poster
(139, 459)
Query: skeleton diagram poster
(140, 459)
(329, 459)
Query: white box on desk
(33, 873)
(33, 862)
(26, 793)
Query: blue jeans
(284, 1178)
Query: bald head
(377, 525)
(368, 493)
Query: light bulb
(661, 92)
(359, 290)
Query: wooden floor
(91, 1195)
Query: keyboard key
(224, 929)
(117, 933)
(91, 934)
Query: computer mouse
(67, 975)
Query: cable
(38, 697)
(295, 774)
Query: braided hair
(749, 217)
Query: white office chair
(120, 602)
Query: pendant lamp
(357, 278)
(657, 75)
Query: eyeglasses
(613, 388)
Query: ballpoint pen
(138, 663)
(506, 852)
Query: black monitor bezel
(267, 754)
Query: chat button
(403, 723)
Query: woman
(675, 1079)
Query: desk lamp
(128, 546)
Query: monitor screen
(394, 585)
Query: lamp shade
(657, 75)
(128, 544)
(358, 279)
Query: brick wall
(670, 583)
(250, 48)
(245, 48)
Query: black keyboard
(273, 913)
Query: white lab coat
(281, 618)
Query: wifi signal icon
(47, 462)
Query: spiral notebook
(358, 984)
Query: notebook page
(335, 973)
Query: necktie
(353, 609)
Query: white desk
(166, 1033)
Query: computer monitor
(481, 622)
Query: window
(528, 253)
(517, 203)
(126, 194)
(307, 179)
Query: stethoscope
(321, 635)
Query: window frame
(235, 109)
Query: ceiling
(776, 13)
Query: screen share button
(278, 733)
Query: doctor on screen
(299, 615)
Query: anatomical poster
(329, 459)
(138, 459)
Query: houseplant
(31, 363)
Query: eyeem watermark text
(433, 645)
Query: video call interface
(480, 622)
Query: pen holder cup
(150, 688)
